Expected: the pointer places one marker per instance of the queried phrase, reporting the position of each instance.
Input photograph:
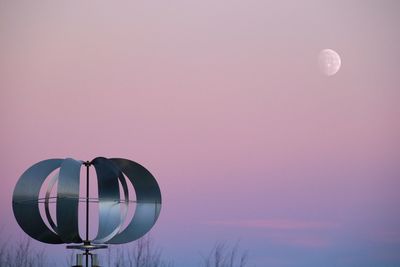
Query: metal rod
(87, 258)
(87, 201)
(87, 210)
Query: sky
(224, 103)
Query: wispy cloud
(277, 224)
(306, 241)
(288, 232)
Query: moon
(329, 62)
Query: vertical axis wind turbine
(112, 174)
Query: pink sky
(223, 102)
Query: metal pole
(87, 211)
(87, 258)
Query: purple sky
(224, 103)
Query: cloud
(288, 232)
(277, 224)
(308, 241)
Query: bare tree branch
(222, 255)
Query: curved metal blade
(68, 201)
(148, 198)
(112, 211)
(46, 202)
(25, 206)
(109, 206)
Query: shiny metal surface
(148, 201)
(109, 208)
(25, 206)
(68, 201)
(111, 174)
(47, 201)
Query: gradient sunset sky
(224, 103)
